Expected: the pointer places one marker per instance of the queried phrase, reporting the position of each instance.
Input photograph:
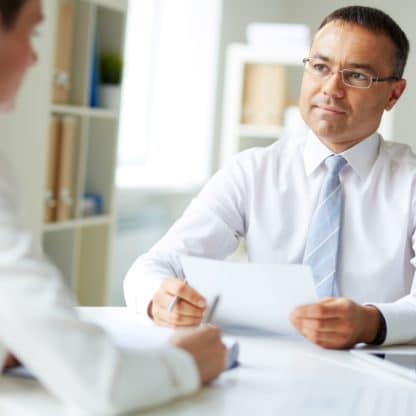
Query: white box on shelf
(285, 40)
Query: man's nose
(333, 86)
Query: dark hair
(375, 21)
(9, 10)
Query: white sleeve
(210, 227)
(76, 361)
(400, 319)
(400, 316)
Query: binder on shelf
(95, 77)
(67, 161)
(51, 192)
(264, 94)
(63, 52)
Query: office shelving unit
(237, 136)
(81, 247)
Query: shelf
(120, 5)
(77, 223)
(248, 54)
(261, 132)
(84, 111)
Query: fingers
(327, 339)
(208, 334)
(187, 311)
(162, 316)
(207, 349)
(202, 338)
(324, 325)
(331, 323)
(177, 287)
(327, 308)
(10, 362)
(164, 300)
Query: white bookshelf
(84, 111)
(77, 223)
(235, 135)
(81, 246)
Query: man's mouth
(330, 109)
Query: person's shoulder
(399, 154)
(260, 156)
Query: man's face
(341, 115)
(16, 53)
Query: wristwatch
(382, 330)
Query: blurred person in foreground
(78, 362)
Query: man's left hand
(336, 322)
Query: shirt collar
(360, 157)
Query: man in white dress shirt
(76, 361)
(268, 196)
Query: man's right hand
(188, 311)
(205, 346)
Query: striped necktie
(321, 248)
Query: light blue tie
(321, 248)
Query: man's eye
(359, 76)
(321, 68)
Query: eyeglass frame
(305, 61)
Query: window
(167, 116)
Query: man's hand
(188, 311)
(336, 322)
(205, 346)
(10, 362)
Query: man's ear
(395, 93)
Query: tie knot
(335, 163)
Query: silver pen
(210, 311)
(175, 300)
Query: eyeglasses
(350, 77)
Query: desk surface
(278, 376)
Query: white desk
(277, 376)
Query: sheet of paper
(131, 331)
(253, 295)
(126, 328)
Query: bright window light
(166, 124)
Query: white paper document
(129, 330)
(253, 295)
